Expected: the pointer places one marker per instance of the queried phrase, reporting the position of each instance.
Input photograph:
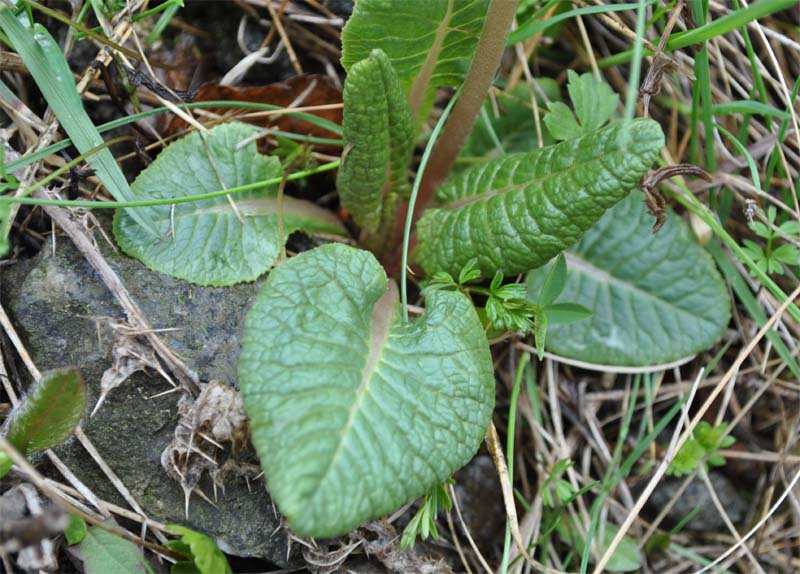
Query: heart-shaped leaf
(430, 43)
(379, 137)
(515, 213)
(655, 297)
(49, 413)
(353, 410)
(205, 241)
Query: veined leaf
(353, 410)
(655, 297)
(49, 413)
(515, 213)
(204, 241)
(105, 553)
(430, 43)
(379, 136)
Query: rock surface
(58, 303)
(696, 495)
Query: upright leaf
(655, 297)
(48, 415)
(204, 241)
(430, 43)
(379, 137)
(353, 410)
(515, 213)
(105, 553)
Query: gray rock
(696, 495)
(55, 303)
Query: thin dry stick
(727, 520)
(276, 19)
(474, 546)
(81, 436)
(755, 528)
(457, 544)
(687, 433)
(80, 237)
(496, 450)
(39, 481)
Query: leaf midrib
(577, 263)
(381, 320)
(463, 202)
(416, 95)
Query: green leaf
(625, 558)
(354, 411)
(562, 313)
(554, 282)
(594, 103)
(5, 463)
(687, 458)
(76, 531)
(206, 243)
(379, 138)
(105, 553)
(655, 297)
(540, 333)
(430, 43)
(207, 557)
(515, 213)
(45, 61)
(48, 415)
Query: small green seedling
(423, 524)
(556, 491)
(781, 243)
(702, 447)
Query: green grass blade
(729, 22)
(534, 25)
(43, 58)
(310, 118)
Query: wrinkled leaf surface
(204, 241)
(655, 297)
(515, 213)
(353, 411)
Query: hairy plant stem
(488, 53)
(473, 93)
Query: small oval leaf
(49, 413)
(515, 213)
(105, 553)
(655, 298)
(353, 410)
(204, 241)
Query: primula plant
(355, 408)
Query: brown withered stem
(655, 201)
